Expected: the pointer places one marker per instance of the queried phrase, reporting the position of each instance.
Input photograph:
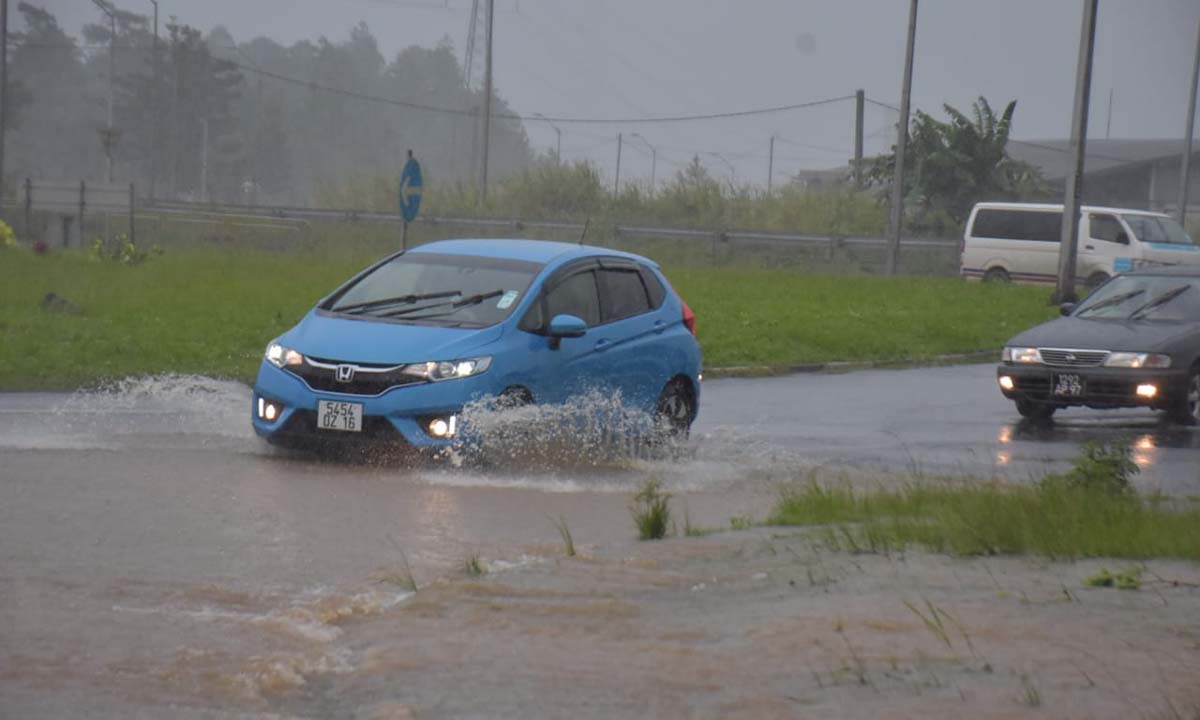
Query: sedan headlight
(279, 355)
(1021, 355)
(1137, 360)
(450, 369)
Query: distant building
(816, 180)
(1142, 174)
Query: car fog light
(1147, 391)
(443, 427)
(1006, 382)
(268, 410)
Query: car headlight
(1021, 355)
(1137, 360)
(449, 369)
(279, 355)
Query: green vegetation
(209, 310)
(651, 510)
(1087, 512)
(1128, 579)
(560, 523)
(473, 566)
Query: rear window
(1040, 226)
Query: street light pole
(617, 180)
(487, 106)
(3, 89)
(108, 133)
(156, 104)
(771, 165)
(897, 215)
(1184, 175)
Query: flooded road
(153, 550)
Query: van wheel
(1035, 410)
(1095, 280)
(996, 275)
(1185, 406)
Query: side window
(624, 294)
(575, 296)
(654, 288)
(1105, 227)
(1038, 225)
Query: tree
(956, 164)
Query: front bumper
(394, 416)
(1102, 387)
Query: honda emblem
(345, 373)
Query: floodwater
(156, 558)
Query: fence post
(82, 205)
(132, 224)
(28, 206)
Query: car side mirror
(1067, 308)
(1122, 238)
(565, 326)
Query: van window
(1040, 225)
(1154, 229)
(1107, 228)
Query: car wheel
(676, 409)
(997, 275)
(1035, 410)
(514, 397)
(1095, 280)
(1185, 407)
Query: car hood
(371, 341)
(1083, 334)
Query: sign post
(410, 196)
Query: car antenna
(583, 234)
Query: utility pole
(897, 217)
(617, 180)
(108, 135)
(204, 160)
(157, 105)
(1069, 249)
(3, 90)
(487, 106)
(770, 164)
(1108, 121)
(860, 99)
(1185, 170)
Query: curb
(845, 366)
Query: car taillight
(689, 318)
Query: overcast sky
(637, 58)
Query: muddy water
(157, 559)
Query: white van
(1020, 242)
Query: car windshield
(438, 289)
(1144, 297)
(1155, 229)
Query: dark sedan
(1134, 342)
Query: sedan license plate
(341, 416)
(1068, 385)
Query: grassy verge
(1090, 511)
(211, 311)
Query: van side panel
(1022, 242)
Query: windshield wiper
(472, 300)
(1109, 302)
(398, 300)
(1159, 301)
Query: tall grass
(1052, 519)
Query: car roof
(1057, 207)
(539, 251)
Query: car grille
(1073, 358)
(320, 374)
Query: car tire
(1095, 280)
(675, 409)
(997, 275)
(1035, 410)
(514, 397)
(1185, 406)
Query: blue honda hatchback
(399, 350)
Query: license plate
(341, 416)
(1068, 385)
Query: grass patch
(651, 510)
(1052, 519)
(565, 533)
(211, 310)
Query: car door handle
(1089, 247)
(659, 326)
(602, 344)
